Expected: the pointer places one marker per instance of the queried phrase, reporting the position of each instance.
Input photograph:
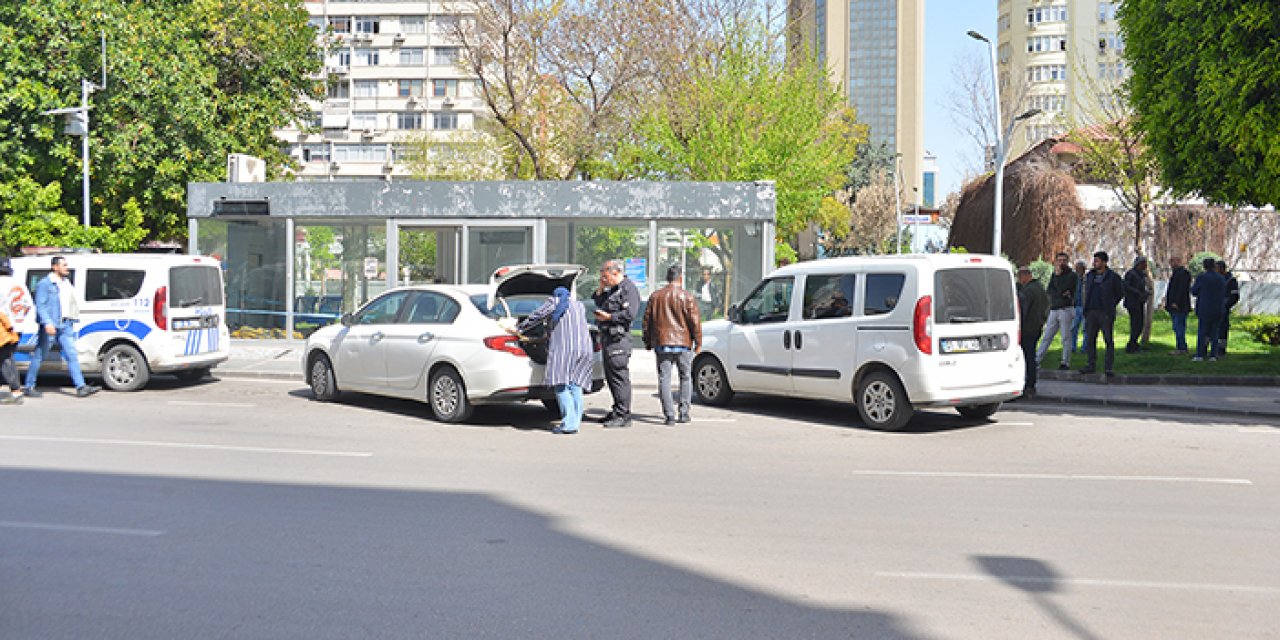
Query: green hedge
(1264, 329)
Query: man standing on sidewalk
(1062, 296)
(1233, 298)
(1210, 290)
(1103, 290)
(1033, 303)
(1077, 322)
(57, 312)
(617, 300)
(673, 331)
(1177, 301)
(1135, 302)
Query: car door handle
(426, 336)
(377, 336)
(799, 341)
(786, 339)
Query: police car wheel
(320, 377)
(124, 368)
(448, 396)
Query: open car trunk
(518, 291)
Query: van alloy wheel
(882, 402)
(878, 399)
(124, 368)
(710, 381)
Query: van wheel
(979, 411)
(448, 396)
(710, 382)
(192, 376)
(882, 402)
(324, 387)
(124, 369)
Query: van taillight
(506, 344)
(160, 308)
(922, 325)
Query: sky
(945, 25)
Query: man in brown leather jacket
(673, 330)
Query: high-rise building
(1062, 57)
(875, 52)
(392, 76)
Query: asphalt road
(242, 509)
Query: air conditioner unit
(339, 69)
(366, 133)
(334, 166)
(413, 100)
(399, 36)
(245, 168)
(388, 167)
(448, 102)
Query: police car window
(112, 284)
(828, 296)
(883, 291)
(34, 276)
(770, 302)
(383, 310)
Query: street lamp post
(897, 198)
(78, 125)
(997, 218)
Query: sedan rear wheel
(448, 396)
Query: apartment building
(1062, 57)
(392, 76)
(875, 51)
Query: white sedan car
(444, 344)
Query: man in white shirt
(57, 311)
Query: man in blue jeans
(1177, 301)
(673, 330)
(1077, 322)
(1210, 290)
(57, 311)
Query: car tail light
(922, 325)
(160, 308)
(506, 344)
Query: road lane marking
(1083, 582)
(1271, 430)
(188, 403)
(44, 526)
(1047, 476)
(191, 445)
(1015, 424)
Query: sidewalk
(280, 360)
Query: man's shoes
(669, 421)
(31, 392)
(1064, 367)
(1111, 374)
(607, 417)
(1088, 370)
(87, 390)
(1213, 359)
(563, 432)
(684, 419)
(618, 422)
(1197, 359)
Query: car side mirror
(347, 320)
(735, 314)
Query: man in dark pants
(1233, 298)
(1103, 290)
(1033, 304)
(1135, 302)
(1210, 290)
(617, 301)
(1177, 301)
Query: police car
(140, 314)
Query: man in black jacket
(617, 303)
(1103, 290)
(1177, 301)
(1033, 307)
(1062, 299)
(1233, 298)
(1135, 302)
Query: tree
(33, 216)
(750, 115)
(1206, 76)
(189, 82)
(973, 113)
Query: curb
(1050, 399)
(258, 375)
(1153, 379)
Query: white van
(139, 314)
(890, 333)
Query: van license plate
(967, 345)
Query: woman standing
(569, 354)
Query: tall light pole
(995, 103)
(78, 125)
(897, 197)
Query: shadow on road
(845, 415)
(1101, 413)
(1038, 580)
(159, 557)
(528, 416)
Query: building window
(1107, 11)
(444, 88)
(366, 57)
(446, 56)
(1003, 22)
(444, 120)
(1112, 71)
(368, 24)
(1052, 103)
(1046, 73)
(413, 24)
(412, 56)
(446, 24)
(1111, 41)
(364, 120)
(315, 153)
(364, 88)
(408, 120)
(360, 153)
(1039, 44)
(410, 89)
(340, 25)
(1052, 13)
(338, 90)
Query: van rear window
(194, 286)
(973, 295)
